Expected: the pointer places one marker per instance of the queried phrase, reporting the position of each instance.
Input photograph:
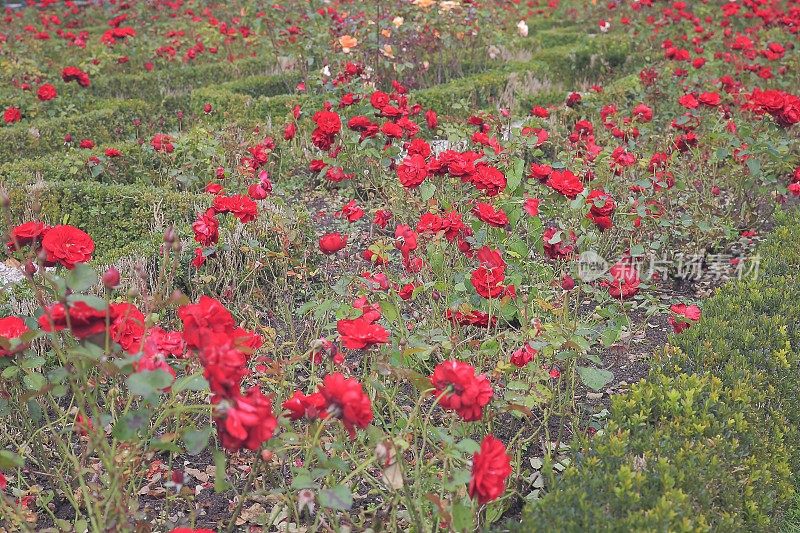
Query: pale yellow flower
(398, 21)
(424, 3)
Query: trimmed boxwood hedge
(40, 137)
(709, 441)
(586, 56)
(112, 214)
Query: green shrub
(111, 214)
(682, 453)
(164, 81)
(477, 90)
(135, 166)
(257, 86)
(113, 122)
(710, 440)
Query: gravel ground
(9, 275)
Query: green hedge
(136, 166)
(118, 217)
(168, 79)
(114, 122)
(709, 441)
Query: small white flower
(522, 28)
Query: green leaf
(34, 382)
(468, 446)
(462, 517)
(594, 378)
(609, 336)
(31, 361)
(81, 278)
(427, 190)
(127, 427)
(9, 460)
(35, 410)
(337, 497)
(196, 440)
(515, 175)
(193, 382)
(220, 472)
(390, 311)
(148, 382)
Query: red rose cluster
(337, 397)
(458, 388)
(784, 107)
(62, 244)
(243, 420)
(75, 74)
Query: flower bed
(399, 265)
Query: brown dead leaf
(250, 514)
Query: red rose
(25, 234)
(412, 171)
(162, 143)
(473, 318)
(300, 406)
(539, 111)
(392, 130)
(405, 240)
(379, 100)
(328, 122)
(12, 327)
(431, 119)
(458, 388)
(82, 319)
(289, 131)
(689, 101)
(559, 249)
(75, 74)
(523, 356)
(361, 333)
(487, 213)
(491, 466)
(566, 183)
(602, 207)
(206, 228)
(332, 243)
(531, 206)
(242, 207)
(244, 421)
(46, 92)
(643, 113)
(12, 115)
(67, 245)
(347, 401)
(709, 99)
(684, 316)
(488, 179)
(541, 172)
(625, 280)
(205, 321)
(127, 327)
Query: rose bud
(111, 278)
(567, 283)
